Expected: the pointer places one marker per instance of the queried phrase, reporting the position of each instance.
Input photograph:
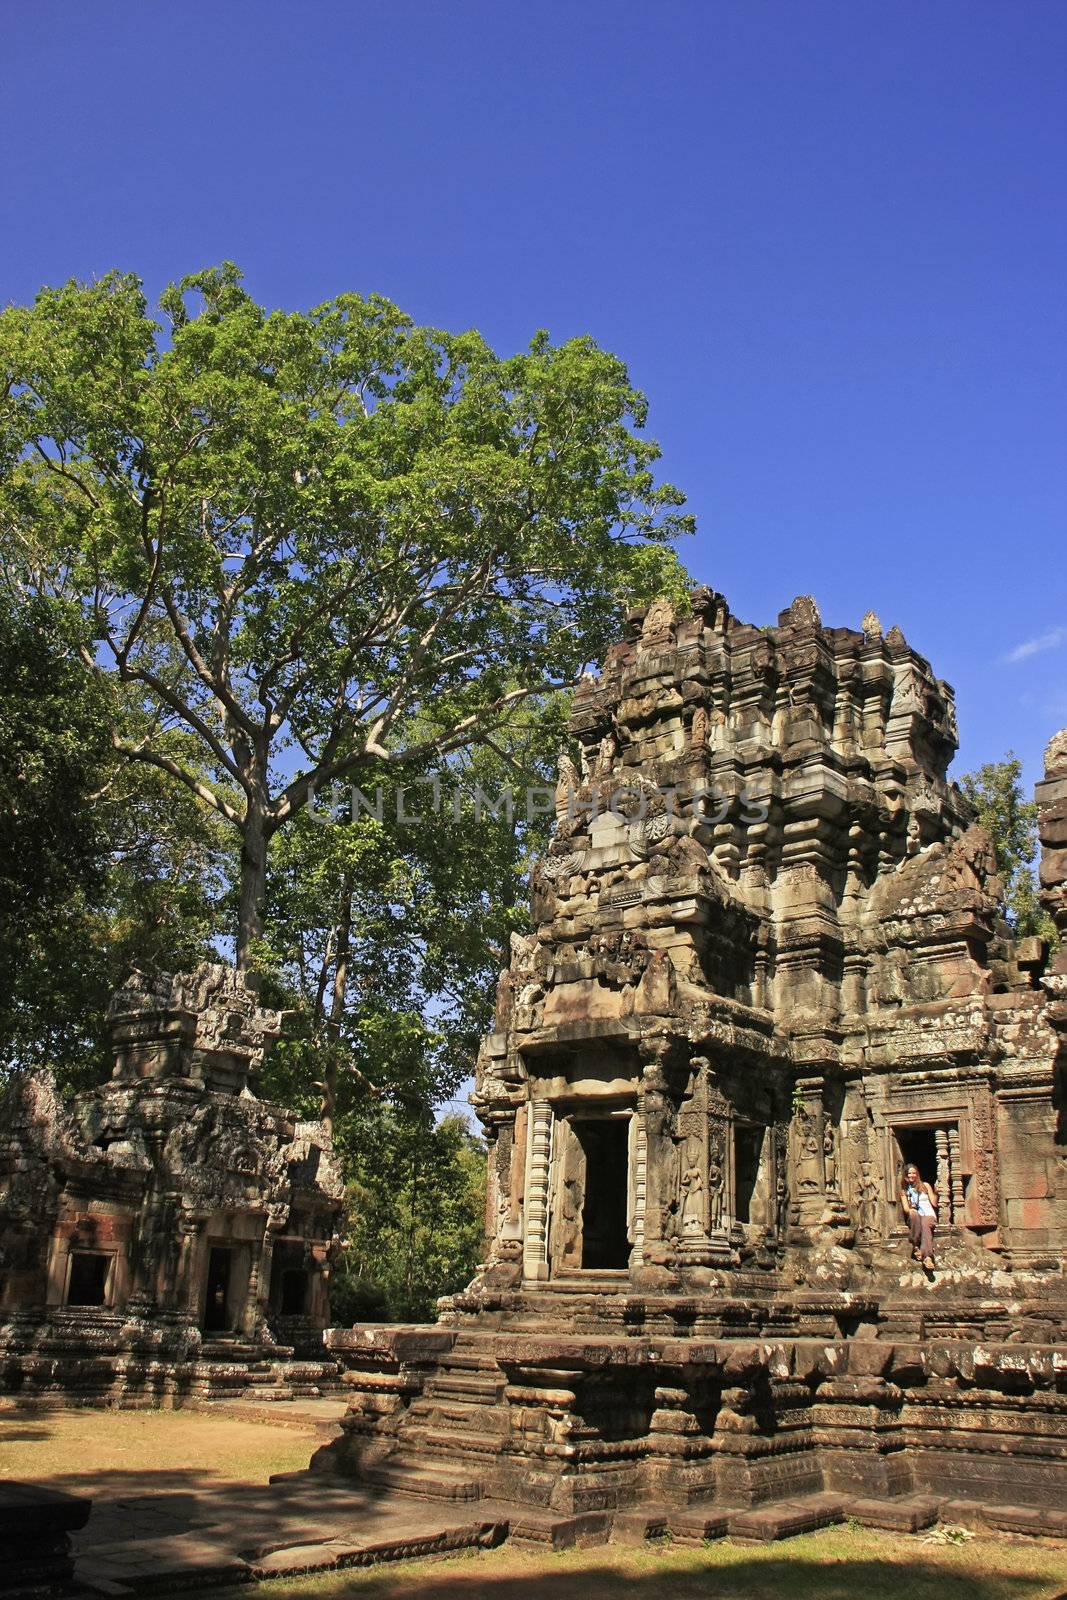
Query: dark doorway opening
(606, 1146)
(294, 1292)
(216, 1305)
(748, 1149)
(918, 1146)
(88, 1278)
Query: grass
(192, 1454)
(90, 1451)
(840, 1563)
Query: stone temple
(767, 968)
(169, 1235)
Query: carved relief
(986, 1185)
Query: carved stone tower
(767, 967)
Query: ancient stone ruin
(170, 1234)
(768, 967)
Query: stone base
(35, 1529)
(63, 1360)
(574, 1423)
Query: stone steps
(423, 1479)
(474, 1387)
(782, 1519)
(1005, 1518)
(230, 1370)
(907, 1515)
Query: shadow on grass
(21, 1434)
(134, 1505)
(796, 1570)
(23, 1424)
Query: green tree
(995, 790)
(416, 1219)
(320, 542)
(386, 930)
(55, 750)
(102, 865)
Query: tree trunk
(253, 896)
(337, 1007)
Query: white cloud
(1034, 647)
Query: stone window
(748, 1154)
(89, 1278)
(935, 1149)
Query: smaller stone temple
(169, 1234)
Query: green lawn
(836, 1564)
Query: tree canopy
(319, 543)
(995, 790)
(101, 865)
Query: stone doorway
(217, 1298)
(935, 1149)
(604, 1142)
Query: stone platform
(699, 1423)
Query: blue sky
(828, 239)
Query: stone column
(943, 1180)
(251, 1318)
(192, 1263)
(638, 1191)
(656, 1117)
(955, 1169)
(538, 1166)
(806, 1155)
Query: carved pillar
(703, 1170)
(717, 1114)
(567, 1180)
(942, 1181)
(780, 1135)
(192, 1265)
(504, 1188)
(761, 986)
(806, 1156)
(638, 1191)
(955, 1168)
(984, 1206)
(492, 1218)
(251, 1316)
(261, 1272)
(655, 1113)
(538, 1165)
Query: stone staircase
(229, 1369)
(457, 1424)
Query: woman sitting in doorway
(920, 1207)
